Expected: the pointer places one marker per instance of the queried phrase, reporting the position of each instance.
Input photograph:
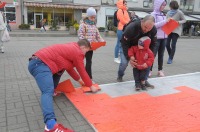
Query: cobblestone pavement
(20, 97)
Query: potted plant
(74, 28)
(68, 24)
(54, 25)
(101, 29)
(111, 29)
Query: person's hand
(168, 19)
(93, 89)
(133, 63)
(81, 82)
(132, 58)
(145, 65)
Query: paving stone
(20, 95)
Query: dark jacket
(133, 33)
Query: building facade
(64, 11)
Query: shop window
(48, 15)
(107, 2)
(10, 12)
(59, 16)
(148, 3)
(30, 15)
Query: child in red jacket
(144, 58)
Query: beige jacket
(179, 17)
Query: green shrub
(24, 26)
(54, 25)
(76, 26)
(111, 26)
(101, 29)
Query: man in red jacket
(48, 64)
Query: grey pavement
(20, 97)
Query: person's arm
(79, 65)
(82, 31)
(182, 18)
(120, 17)
(98, 36)
(150, 59)
(131, 54)
(73, 74)
(160, 23)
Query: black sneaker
(143, 87)
(147, 84)
(119, 79)
(137, 87)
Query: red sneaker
(58, 128)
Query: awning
(51, 5)
(189, 18)
(196, 16)
(141, 14)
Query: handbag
(6, 36)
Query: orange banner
(96, 45)
(170, 26)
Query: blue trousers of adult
(46, 82)
(160, 49)
(171, 47)
(117, 46)
(123, 64)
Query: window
(133, 0)
(107, 2)
(30, 15)
(10, 12)
(148, 3)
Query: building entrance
(37, 19)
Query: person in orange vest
(123, 18)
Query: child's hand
(133, 63)
(145, 65)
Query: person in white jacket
(2, 26)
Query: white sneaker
(2, 49)
(161, 74)
(116, 60)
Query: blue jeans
(46, 81)
(171, 47)
(124, 63)
(160, 49)
(117, 46)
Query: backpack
(132, 20)
(115, 20)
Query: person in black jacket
(132, 33)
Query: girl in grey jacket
(178, 16)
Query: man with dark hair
(133, 32)
(47, 66)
